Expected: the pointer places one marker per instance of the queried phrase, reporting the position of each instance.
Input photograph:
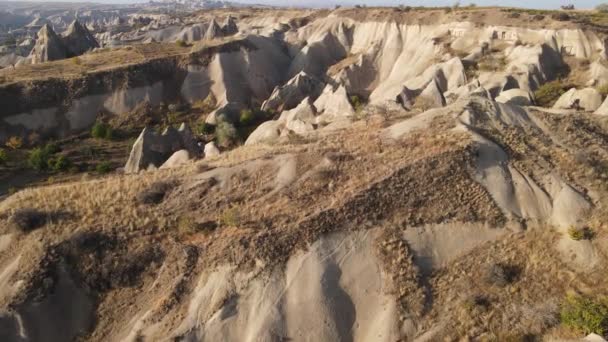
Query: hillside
(359, 174)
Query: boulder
(152, 149)
(333, 104)
(293, 92)
(48, 47)
(178, 158)
(266, 132)
(78, 39)
(299, 120)
(587, 99)
(433, 94)
(211, 150)
(518, 97)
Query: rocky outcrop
(300, 120)
(333, 104)
(518, 97)
(152, 149)
(49, 46)
(293, 92)
(230, 28)
(211, 150)
(587, 99)
(78, 39)
(177, 159)
(213, 31)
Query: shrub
(356, 102)
(548, 93)
(155, 194)
(27, 219)
(60, 163)
(76, 61)
(501, 274)
(225, 133)
(3, 156)
(603, 89)
(246, 117)
(181, 43)
(38, 159)
(578, 234)
(585, 314)
(230, 217)
(602, 8)
(103, 167)
(14, 143)
(207, 105)
(205, 128)
(561, 16)
(102, 131)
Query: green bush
(38, 159)
(356, 102)
(585, 314)
(603, 89)
(205, 128)
(548, 93)
(578, 234)
(3, 156)
(230, 217)
(225, 133)
(102, 131)
(246, 117)
(103, 167)
(181, 43)
(60, 163)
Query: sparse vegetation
(3, 157)
(603, 8)
(225, 134)
(181, 43)
(585, 314)
(40, 159)
(548, 93)
(492, 63)
(424, 103)
(155, 193)
(230, 217)
(246, 117)
(102, 131)
(357, 103)
(207, 105)
(578, 234)
(500, 274)
(103, 167)
(14, 143)
(27, 219)
(204, 128)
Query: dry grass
(105, 59)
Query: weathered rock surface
(78, 40)
(49, 46)
(290, 94)
(153, 149)
(587, 99)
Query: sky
(546, 4)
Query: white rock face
(49, 46)
(211, 150)
(333, 104)
(178, 158)
(587, 99)
(293, 92)
(517, 97)
(267, 132)
(332, 292)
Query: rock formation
(78, 39)
(587, 99)
(48, 47)
(154, 149)
(290, 94)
